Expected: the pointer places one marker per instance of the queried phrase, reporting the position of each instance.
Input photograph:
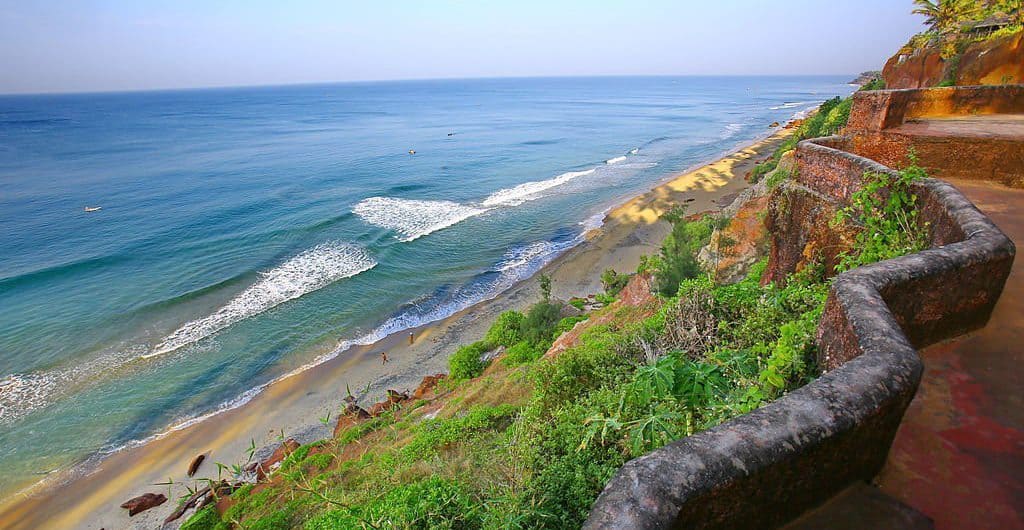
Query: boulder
(427, 386)
(638, 292)
(286, 448)
(395, 396)
(567, 310)
(143, 502)
(352, 415)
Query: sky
(113, 45)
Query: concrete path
(959, 455)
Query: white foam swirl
(615, 160)
(529, 191)
(308, 271)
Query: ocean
(246, 233)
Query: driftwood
(196, 462)
(143, 502)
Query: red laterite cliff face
(995, 61)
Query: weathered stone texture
(955, 132)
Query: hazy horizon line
(392, 80)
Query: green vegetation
(531, 443)
(886, 209)
(678, 258)
(875, 84)
(465, 363)
(953, 25)
(506, 329)
(613, 282)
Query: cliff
(996, 60)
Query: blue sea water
(247, 232)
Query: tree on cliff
(945, 16)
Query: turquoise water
(245, 233)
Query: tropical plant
(945, 16)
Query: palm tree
(1013, 8)
(945, 15)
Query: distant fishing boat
(93, 208)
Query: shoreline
(292, 404)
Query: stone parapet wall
(764, 468)
(877, 110)
(992, 159)
(877, 130)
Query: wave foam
(308, 271)
(23, 393)
(410, 218)
(788, 105)
(615, 160)
(730, 130)
(529, 191)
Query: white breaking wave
(412, 219)
(788, 105)
(634, 150)
(308, 271)
(21, 394)
(529, 191)
(615, 160)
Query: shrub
(886, 208)
(506, 329)
(520, 353)
(539, 325)
(837, 117)
(465, 363)
(678, 251)
(776, 178)
(545, 287)
(613, 282)
(875, 84)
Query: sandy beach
(293, 407)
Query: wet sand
(293, 407)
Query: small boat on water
(93, 208)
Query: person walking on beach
(411, 338)
(383, 358)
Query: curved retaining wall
(764, 468)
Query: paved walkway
(959, 455)
(984, 126)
